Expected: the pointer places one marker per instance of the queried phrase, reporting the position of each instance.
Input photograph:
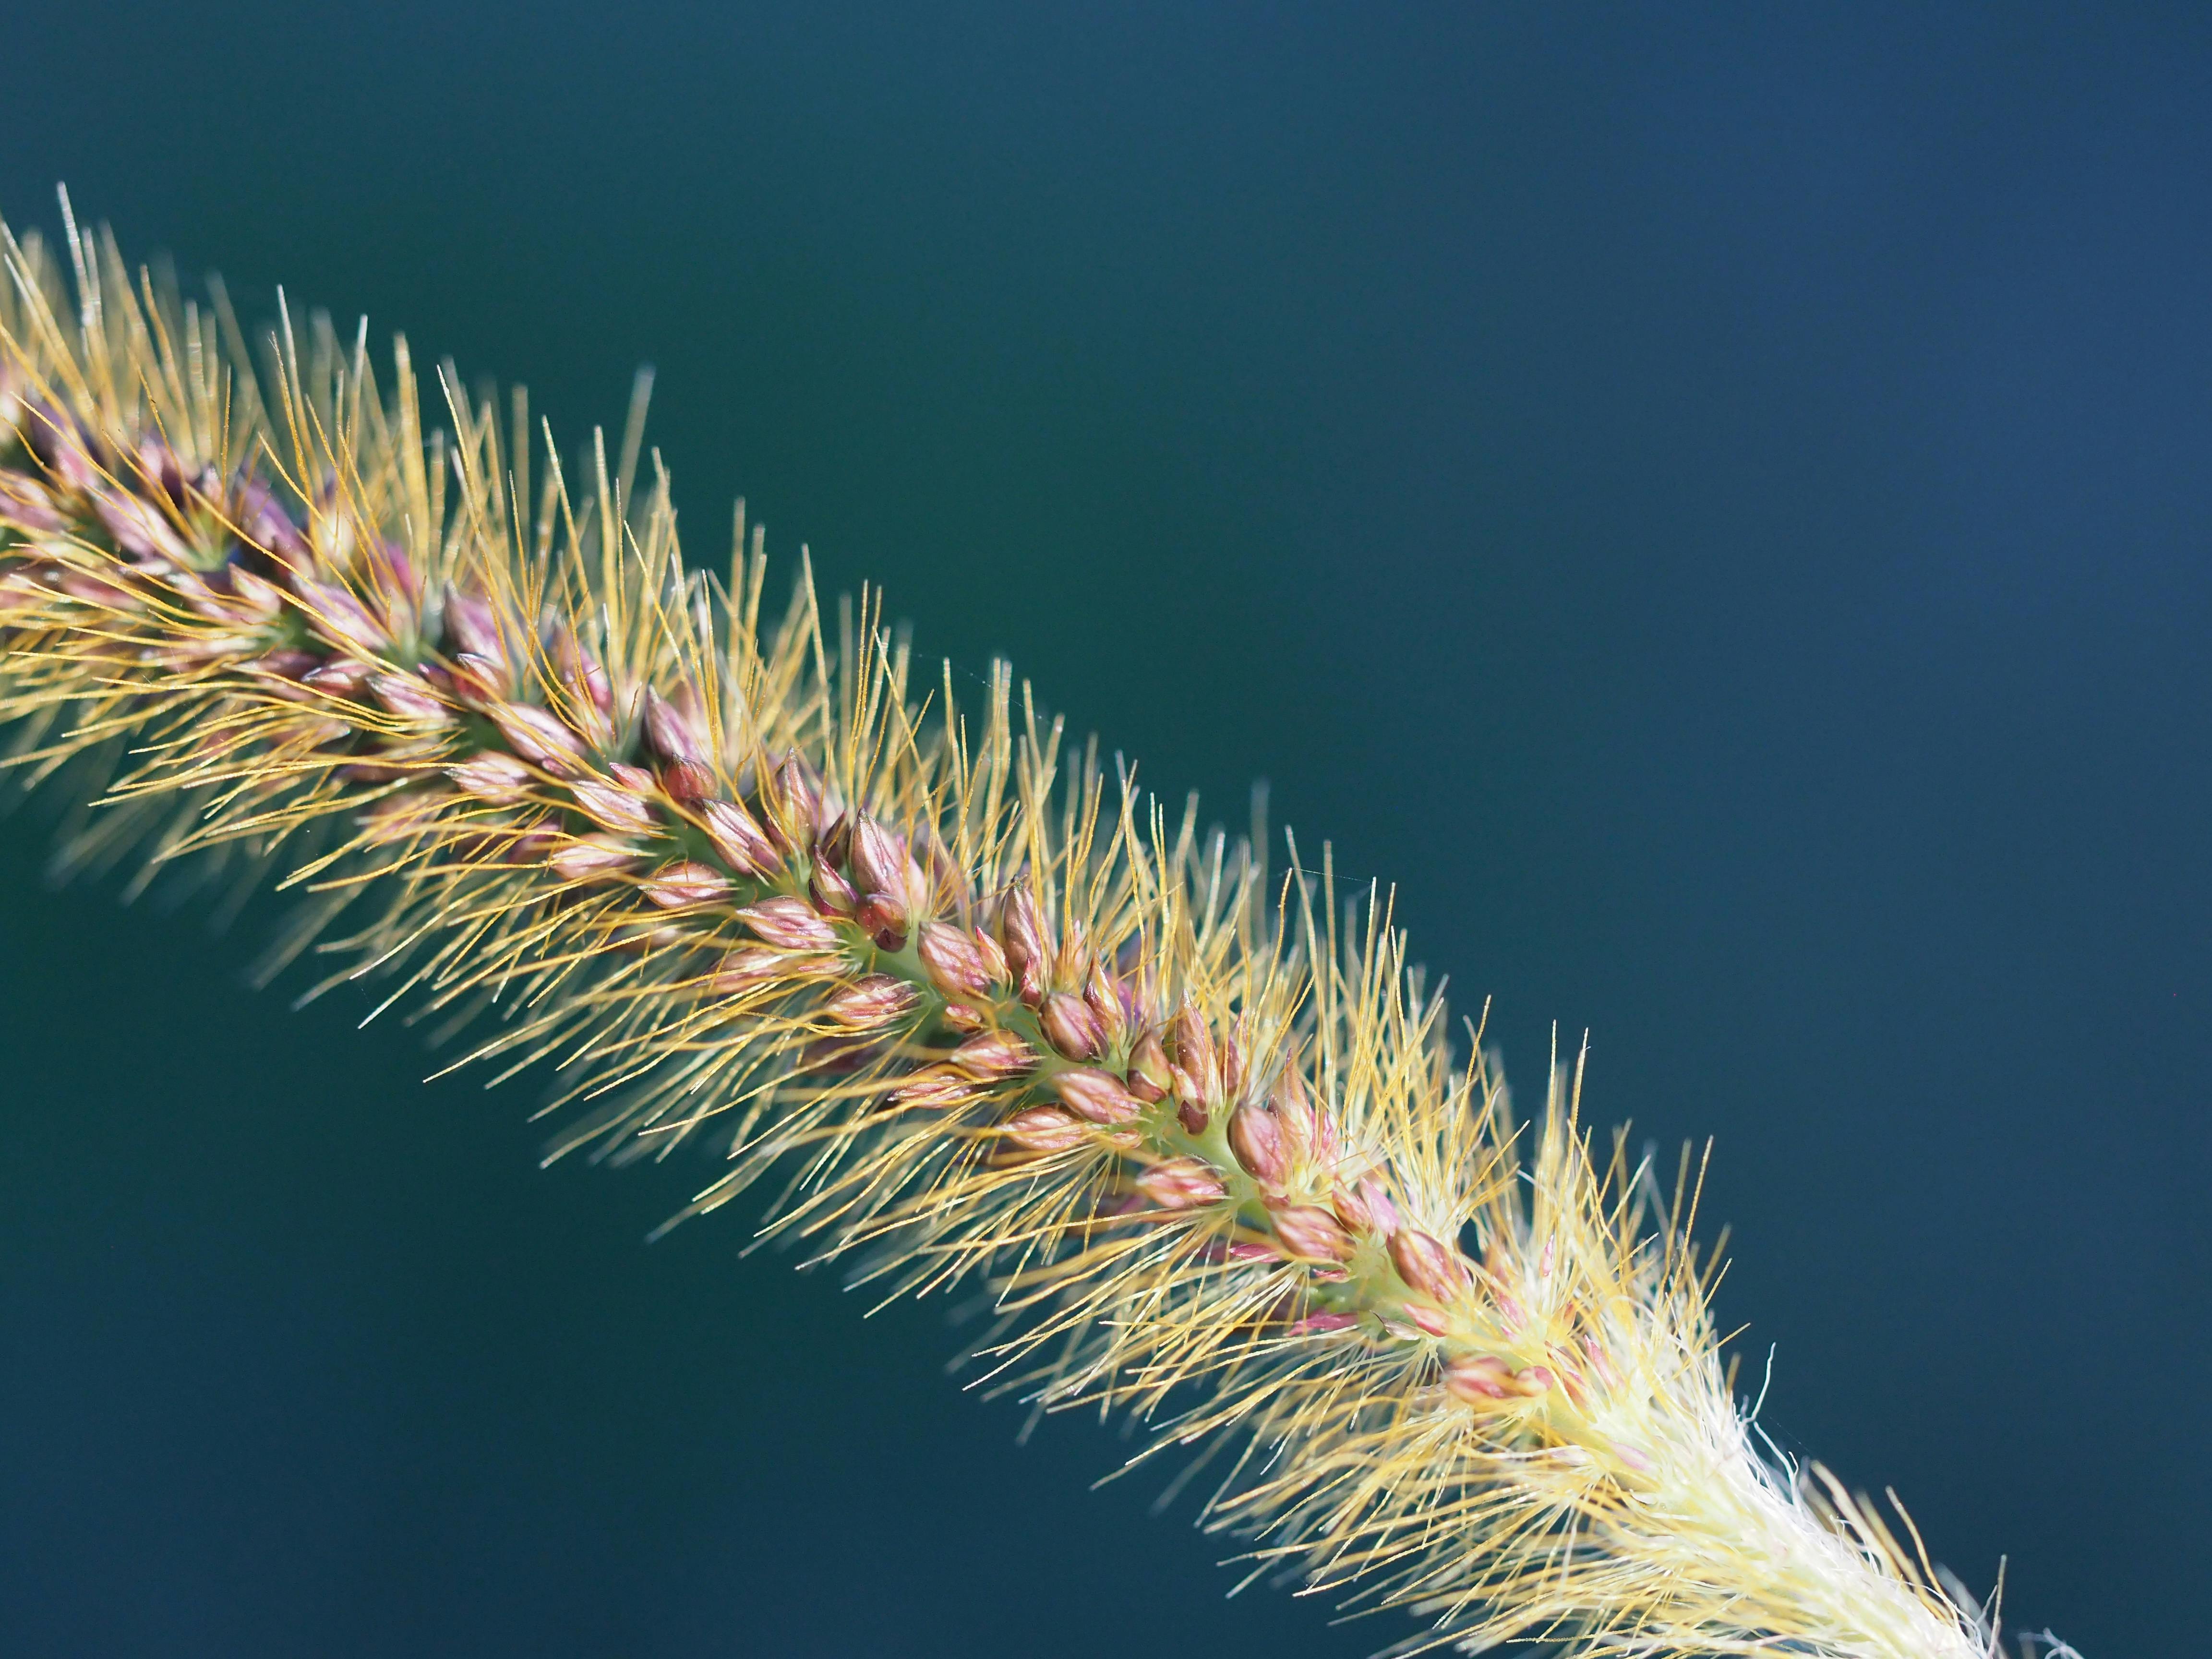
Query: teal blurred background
(1713, 502)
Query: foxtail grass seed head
(971, 1009)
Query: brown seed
(950, 954)
(737, 837)
(611, 808)
(1181, 1183)
(1427, 1264)
(1193, 1118)
(1257, 1139)
(1044, 1129)
(1071, 1027)
(1311, 1233)
(878, 999)
(995, 1054)
(790, 924)
(1095, 1095)
(684, 882)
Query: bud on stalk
(1312, 1234)
(1104, 1000)
(832, 892)
(674, 729)
(955, 966)
(1257, 1139)
(797, 805)
(790, 924)
(878, 860)
(1149, 1075)
(1427, 1264)
(1181, 1183)
(610, 808)
(684, 882)
(738, 838)
(536, 734)
(1071, 1027)
(876, 1000)
(590, 857)
(935, 1088)
(500, 780)
(1043, 1129)
(1190, 1045)
(1095, 1095)
(1021, 930)
(995, 1054)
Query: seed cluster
(978, 1013)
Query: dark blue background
(1713, 502)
